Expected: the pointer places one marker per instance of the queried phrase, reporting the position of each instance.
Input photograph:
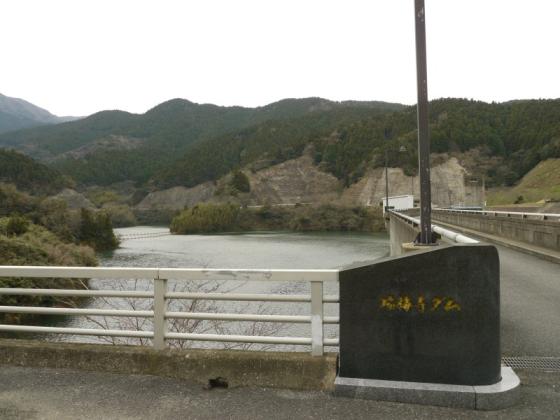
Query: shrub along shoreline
(43, 231)
(38, 246)
(216, 218)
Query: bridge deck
(530, 289)
(530, 293)
(41, 393)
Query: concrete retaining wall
(400, 232)
(240, 368)
(542, 233)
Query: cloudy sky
(77, 57)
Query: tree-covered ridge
(183, 143)
(262, 145)
(29, 175)
(520, 134)
(516, 135)
(163, 133)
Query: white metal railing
(512, 214)
(160, 294)
(446, 233)
(128, 236)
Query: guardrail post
(316, 318)
(160, 307)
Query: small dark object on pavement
(218, 382)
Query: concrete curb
(501, 395)
(492, 397)
(299, 371)
(519, 246)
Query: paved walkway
(530, 305)
(530, 296)
(34, 393)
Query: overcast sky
(77, 57)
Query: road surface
(41, 393)
(530, 305)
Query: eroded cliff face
(177, 198)
(300, 181)
(290, 182)
(450, 186)
(293, 181)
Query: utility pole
(387, 135)
(483, 192)
(423, 128)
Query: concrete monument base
(487, 397)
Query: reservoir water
(248, 250)
(142, 247)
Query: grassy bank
(215, 218)
(30, 244)
(541, 183)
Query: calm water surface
(249, 250)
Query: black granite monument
(430, 316)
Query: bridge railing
(146, 235)
(445, 233)
(161, 294)
(510, 214)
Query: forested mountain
(16, 114)
(183, 143)
(28, 175)
(261, 145)
(113, 146)
(515, 135)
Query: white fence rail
(129, 236)
(446, 233)
(511, 214)
(161, 294)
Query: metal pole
(423, 134)
(483, 192)
(386, 182)
(387, 136)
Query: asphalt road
(530, 305)
(41, 393)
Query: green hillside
(517, 136)
(155, 138)
(9, 122)
(183, 143)
(513, 137)
(541, 183)
(29, 175)
(262, 145)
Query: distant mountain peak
(172, 104)
(16, 113)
